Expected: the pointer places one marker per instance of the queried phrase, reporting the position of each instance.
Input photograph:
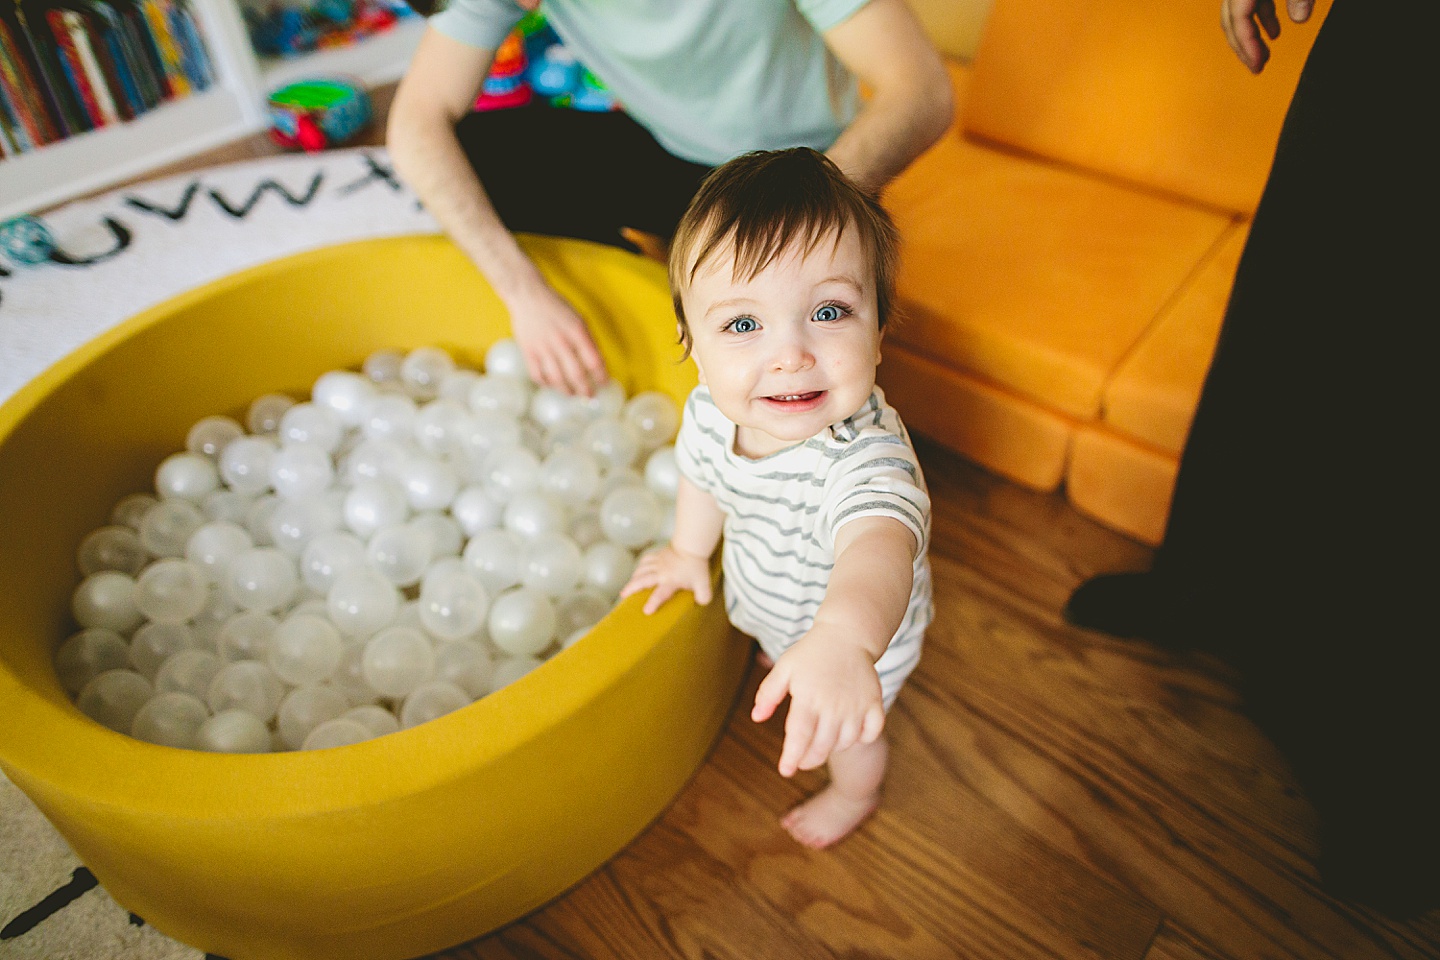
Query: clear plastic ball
(446, 537)
(631, 516)
(467, 664)
(654, 416)
(248, 685)
(214, 545)
(189, 476)
(227, 504)
(400, 553)
(210, 435)
(372, 504)
(585, 529)
(440, 427)
(607, 401)
(430, 701)
(344, 393)
(430, 483)
(327, 556)
(263, 416)
(309, 423)
(245, 636)
(510, 471)
(305, 649)
(189, 671)
(551, 564)
(533, 514)
(488, 432)
(455, 385)
(88, 653)
(581, 610)
(383, 366)
(662, 474)
(475, 510)
(510, 669)
(107, 599)
(338, 732)
(294, 523)
(304, 709)
(453, 604)
(616, 479)
(113, 547)
(549, 407)
(154, 643)
(300, 470)
(262, 579)
(362, 602)
(607, 567)
(376, 719)
(572, 475)
(349, 678)
(613, 442)
(130, 510)
(171, 591)
(113, 697)
(397, 660)
(245, 464)
(233, 731)
(167, 528)
(170, 720)
(522, 620)
(422, 370)
(493, 558)
(257, 519)
(505, 358)
(389, 416)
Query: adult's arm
(438, 89)
(910, 103)
(1238, 18)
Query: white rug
(119, 254)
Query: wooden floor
(1053, 793)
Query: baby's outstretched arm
(829, 674)
(685, 563)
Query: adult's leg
(573, 173)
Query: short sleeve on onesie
(782, 512)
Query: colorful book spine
(73, 69)
(112, 61)
(23, 95)
(43, 76)
(195, 59)
(165, 43)
(12, 122)
(79, 29)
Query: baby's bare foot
(827, 817)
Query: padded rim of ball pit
(397, 846)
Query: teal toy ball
(26, 240)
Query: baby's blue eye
(828, 313)
(744, 325)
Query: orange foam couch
(1070, 244)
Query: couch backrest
(1144, 90)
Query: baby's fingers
(873, 725)
(658, 596)
(821, 744)
(799, 733)
(770, 694)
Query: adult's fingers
(1237, 20)
(1299, 10)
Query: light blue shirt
(710, 79)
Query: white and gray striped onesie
(782, 512)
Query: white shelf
(232, 108)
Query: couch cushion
(1148, 92)
(1125, 485)
(1153, 395)
(1036, 278)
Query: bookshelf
(233, 107)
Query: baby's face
(792, 350)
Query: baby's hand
(668, 571)
(835, 699)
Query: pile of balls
(412, 537)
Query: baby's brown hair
(761, 202)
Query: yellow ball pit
(401, 845)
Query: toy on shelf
(315, 114)
(26, 240)
(533, 61)
(288, 29)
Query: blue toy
(26, 240)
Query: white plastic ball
(613, 442)
(107, 599)
(662, 474)
(113, 547)
(305, 649)
(265, 411)
(304, 709)
(248, 685)
(430, 701)
(189, 671)
(453, 604)
(422, 370)
(505, 358)
(456, 384)
(210, 435)
(493, 558)
(533, 514)
(475, 510)
(328, 555)
(130, 510)
(171, 720)
(245, 464)
(112, 698)
(389, 416)
(262, 579)
(294, 523)
(430, 483)
(488, 432)
(631, 516)
(171, 591)
(510, 669)
(166, 529)
(510, 471)
(189, 476)
(551, 564)
(607, 567)
(383, 366)
(654, 416)
(349, 678)
(309, 423)
(572, 475)
(376, 719)
(245, 636)
(338, 732)
(549, 407)
(522, 621)
(88, 653)
(362, 602)
(227, 504)
(499, 395)
(233, 731)
(616, 479)
(440, 427)
(581, 610)
(372, 504)
(397, 660)
(446, 537)
(607, 401)
(467, 664)
(300, 470)
(214, 545)
(585, 529)
(400, 553)
(344, 393)
(154, 643)
(257, 519)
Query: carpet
(119, 254)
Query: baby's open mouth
(795, 397)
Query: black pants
(1303, 524)
(572, 173)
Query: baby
(783, 275)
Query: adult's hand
(559, 351)
(1242, 20)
